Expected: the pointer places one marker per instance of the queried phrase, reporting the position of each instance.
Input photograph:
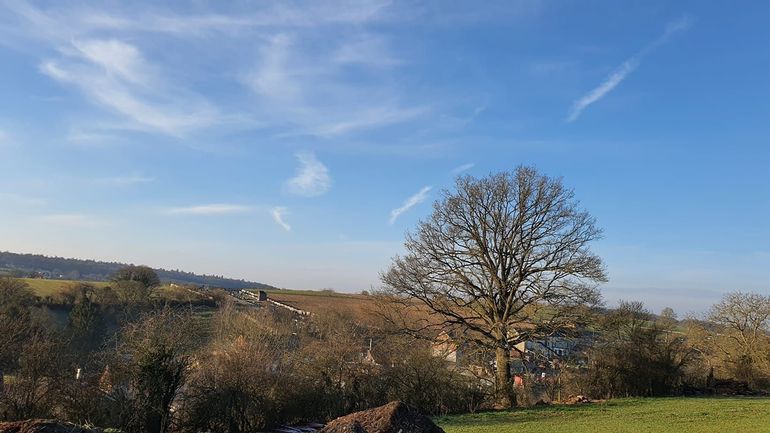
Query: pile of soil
(43, 426)
(394, 417)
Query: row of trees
(635, 353)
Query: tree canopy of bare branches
(501, 260)
(743, 340)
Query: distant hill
(77, 269)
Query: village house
(539, 356)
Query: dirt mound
(43, 426)
(394, 417)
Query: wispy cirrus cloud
(262, 16)
(409, 203)
(109, 55)
(463, 167)
(120, 181)
(624, 70)
(116, 58)
(91, 138)
(103, 66)
(208, 209)
(312, 178)
(310, 92)
(115, 75)
(278, 214)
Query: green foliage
(143, 275)
(131, 292)
(15, 320)
(86, 325)
(14, 293)
(153, 360)
(635, 356)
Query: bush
(637, 356)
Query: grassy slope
(659, 415)
(324, 302)
(50, 287)
(43, 288)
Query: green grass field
(44, 288)
(653, 415)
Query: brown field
(360, 307)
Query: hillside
(21, 265)
(359, 307)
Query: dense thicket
(155, 367)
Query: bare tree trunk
(504, 398)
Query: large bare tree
(501, 260)
(741, 338)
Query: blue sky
(295, 143)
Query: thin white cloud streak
(312, 178)
(91, 139)
(625, 69)
(369, 118)
(606, 87)
(120, 181)
(278, 213)
(409, 203)
(464, 167)
(269, 16)
(208, 209)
